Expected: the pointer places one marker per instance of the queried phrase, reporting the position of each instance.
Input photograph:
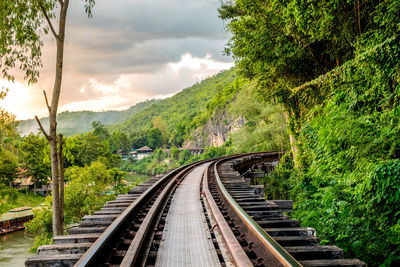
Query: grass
(23, 199)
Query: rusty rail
(272, 252)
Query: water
(133, 178)
(14, 248)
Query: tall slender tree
(22, 24)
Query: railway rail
(246, 229)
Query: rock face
(215, 131)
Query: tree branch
(1, 135)
(48, 20)
(41, 128)
(61, 2)
(359, 22)
(47, 101)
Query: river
(14, 248)
(133, 178)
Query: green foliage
(119, 141)
(224, 95)
(8, 197)
(22, 23)
(138, 138)
(265, 127)
(154, 138)
(284, 44)
(279, 183)
(345, 180)
(85, 193)
(8, 167)
(86, 148)
(346, 183)
(382, 192)
(34, 151)
(41, 225)
(86, 187)
(100, 130)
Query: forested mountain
(210, 113)
(71, 123)
(178, 115)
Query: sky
(128, 52)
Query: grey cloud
(146, 57)
(141, 36)
(153, 19)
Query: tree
(21, 25)
(138, 139)
(8, 167)
(86, 148)
(159, 124)
(7, 127)
(100, 130)
(33, 154)
(119, 140)
(286, 43)
(154, 138)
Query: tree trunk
(292, 141)
(61, 168)
(57, 223)
(54, 176)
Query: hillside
(210, 113)
(180, 112)
(71, 123)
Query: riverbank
(22, 200)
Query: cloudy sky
(128, 52)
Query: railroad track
(245, 228)
(266, 235)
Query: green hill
(210, 113)
(71, 123)
(182, 112)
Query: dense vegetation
(344, 170)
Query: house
(123, 154)
(196, 151)
(143, 152)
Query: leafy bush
(346, 180)
(85, 193)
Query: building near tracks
(14, 219)
(138, 154)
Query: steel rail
(235, 250)
(277, 254)
(134, 250)
(99, 244)
(132, 254)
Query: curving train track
(245, 229)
